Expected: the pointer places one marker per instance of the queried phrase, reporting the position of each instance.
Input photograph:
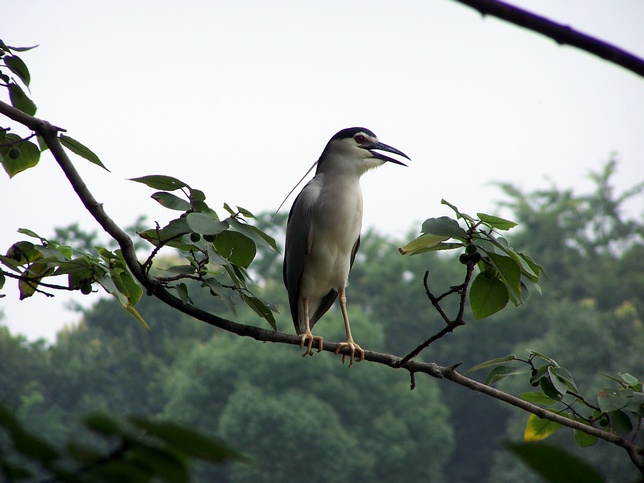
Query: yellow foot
(310, 337)
(353, 348)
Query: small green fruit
(86, 288)
(195, 237)
(475, 257)
(471, 249)
(14, 153)
(210, 238)
(464, 258)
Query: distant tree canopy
(311, 418)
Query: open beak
(374, 149)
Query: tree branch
(49, 133)
(562, 34)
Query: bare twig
(451, 324)
(562, 34)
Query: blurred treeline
(312, 419)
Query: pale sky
(239, 98)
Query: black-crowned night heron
(323, 232)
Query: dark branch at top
(562, 34)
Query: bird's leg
(308, 335)
(353, 347)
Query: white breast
(337, 221)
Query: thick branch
(562, 34)
(50, 134)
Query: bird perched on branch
(323, 233)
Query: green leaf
(537, 429)
(132, 287)
(501, 372)
(254, 233)
(188, 440)
(226, 294)
(554, 464)
(236, 248)
(533, 269)
(205, 224)
(458, 213)
(491, 362)
(81, 150)
(628, 379)
(613, 400)
(161, 182)
(260, 308)
(33, 234)
(129, 308)
(102, 424)
(546, 385)
(18, 155)
(537, 397)
(543, 356)
(31, 278)
(182, 290)
(161, 462)
(444, 226)
(557, 383)
(488, 295)
(510, 273)
(565, 378)
(245, 212)
(422, 244)
(20, 100)
(170, 234)
(620, 423)
(170, 201)
(496, 222)
(584, 439)
(18, 67)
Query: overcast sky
(239, 98)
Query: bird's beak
(375, 147)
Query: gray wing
(297, 246)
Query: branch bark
(562, 34)
(49, 133)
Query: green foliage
(140, 449)
(30, 263)
(504, 274)
(619, 411)
(218, 251)
(554, 464)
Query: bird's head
(356, 150)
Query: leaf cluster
(504, 273)
(140, 449)
(617, 410)
(218, 251)
(30, 263)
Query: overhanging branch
(562, 34)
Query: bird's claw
(310, 337)
(353, 348)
